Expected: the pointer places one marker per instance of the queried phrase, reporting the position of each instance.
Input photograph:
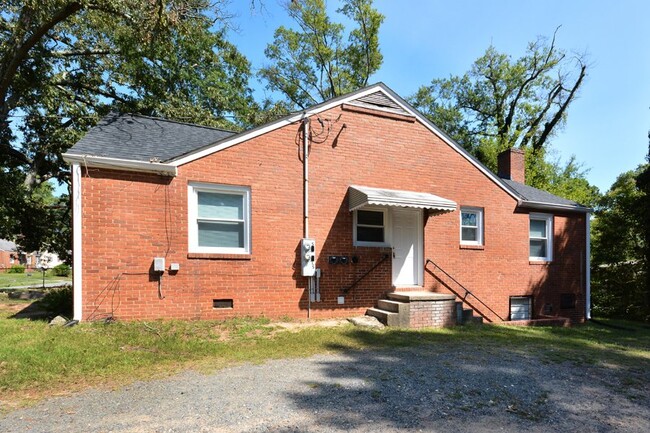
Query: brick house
(173, 220)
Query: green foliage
(61, 270)
(503, 103)
(619, 258)
(58, 301)
(65, 63)
(317, 62)
(16, 269)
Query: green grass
(29, 279)
(37, 360)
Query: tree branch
(20, 52)
(549, 125)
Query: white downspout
(588, 269)
(76, 241)
(305, 175)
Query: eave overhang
(121, 164)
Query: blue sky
(424, 39)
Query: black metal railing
(358, 280)
(466, 294)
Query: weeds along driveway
(431, 387)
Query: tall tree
(619, 246)
(64, 63)
(316, 61)
(503, 103)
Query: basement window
(567, 301)
(521, 307)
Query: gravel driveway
(427, 388)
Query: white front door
(407, 235)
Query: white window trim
(193, 227)
(548, 219)
(479, 222)
(387, 225)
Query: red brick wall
(128, 219)
(5, 260)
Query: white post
(76, 240)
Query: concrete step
(388, 305)
(386, 317)
(468, 313)
(476, 320)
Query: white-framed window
(219, 219)
(471, 226)
(541, 237)
(521, 307)
(370, 227)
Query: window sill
(472, 247)
(219, 256)
(539, 262)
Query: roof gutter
(121, 164)
(552, 206)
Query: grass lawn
(29, 279)
(37, 361)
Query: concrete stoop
(419, 309)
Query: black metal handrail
(358, 280)
(467, 292)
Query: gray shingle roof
(6, 245)
(141, 138)
(530, 194)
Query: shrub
(16, 269)
(61, 270)
(58, 301)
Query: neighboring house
(10, 256)
(389, 200)
(7, 254)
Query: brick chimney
(512, 165)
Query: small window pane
(537, 248)
(370, 234)
(367, 217)
(222, 234)
(220, 206)
(469, 234)
(537, 228)
(469, 219)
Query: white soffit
(361, 196)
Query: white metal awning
(361, 196)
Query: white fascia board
(553, 206)
(256, 132)
(76, 242)
(121, 164)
